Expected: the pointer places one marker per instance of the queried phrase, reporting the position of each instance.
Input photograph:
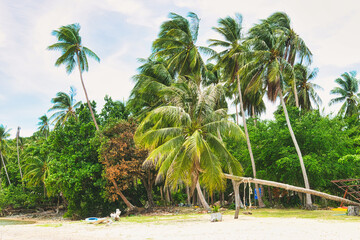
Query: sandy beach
(246, 227)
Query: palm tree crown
(306, 89)
(348, 91)
(65, 106)
(44, 125)
(69, 43)
(185, 137)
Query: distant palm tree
(4, 134)
(18, 153)
(44, 125)
(65, 106)
(73, 52)
(306, 89)
(349, 94)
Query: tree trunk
(306, 181)
(128, 204)
(238, 202)
(261, 204)
(201, 197)
(18, 155)
(237, 114)
(148, 187)
(188, 195)
(7, 175)
(87, 99)
(290, 187)
(253, 114)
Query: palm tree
(65, 106)
(44, 125)
(18, 154)
(306, 89)
(184, 140)
(145, 96)
(269, 69)
(37, 170)
(230, 59)
(349, 95)
(73, 52)
(176, 45)
(295, 46)
(4, 134)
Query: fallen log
(290, 187)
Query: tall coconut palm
(44, 125)
(349, 94)
(184, 140)
(176, 45)
(65, 106)
(73, 52)
(231, 60)
(306, 90)
(269, 69)
(295, 46)
(4, 134)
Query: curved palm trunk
(18, 155)
(87, 99)
(261, 204)
(201, 197)
(292, 188)
(7, 175)
(306, 181)
(128, 204)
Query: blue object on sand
(91, 219)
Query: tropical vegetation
(175, 138)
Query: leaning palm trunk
(261, 204)
(291, 188)
(18, 155)
(306, 180)
(87, 99)
(127, 203)
(3, 162)
(201, 197)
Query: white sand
(246, 227)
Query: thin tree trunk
(128, 204)
(188, 195)
(87, 99)
(290, 187)
(253, 114)
(201, 197)
(261, 204)
(18, 155)
(237, 114)
(306, 181)
(7, 175)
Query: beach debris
(95, 220)
(247, 213)
(116, 215)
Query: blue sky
(120, 31)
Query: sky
(121, 31)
